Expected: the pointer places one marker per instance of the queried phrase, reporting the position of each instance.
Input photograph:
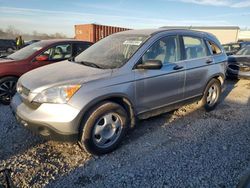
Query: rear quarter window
(215, 49)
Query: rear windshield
(244, 51)
(27, 51)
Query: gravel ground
(185, 148)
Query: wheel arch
(5, 76)
(116, 98)
(218, 76)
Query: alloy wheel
(212, 95)
(107, 130)
(7, 90)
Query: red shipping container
(94, 32)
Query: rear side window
(214, 48)
(80, 47)
(194, 47)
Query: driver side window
(62, 51)
(166, 50)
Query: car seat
(67, 54)
(58, 53)
(191, 52)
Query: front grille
(25, 91)
(32, 105)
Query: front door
(158, 88)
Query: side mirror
(150, 64)
(42, 58)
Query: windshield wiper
(90, 64)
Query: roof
(141, 31)
(155, 31)
(151, 32)
(203, 27)
(51, 41)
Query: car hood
(239, 59)
(61, 74)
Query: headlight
(60, 94)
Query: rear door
(197, 58)
(158, 88)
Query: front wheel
(211, 95)
(103, 128)
(7, 89)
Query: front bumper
(52, 121)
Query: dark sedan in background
(239, 64)
(7, 45)
(233, 48)
(30, 42)
(33, 56)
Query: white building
(225, 34)
(244, 35)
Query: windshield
(244, 51)
(113, 51)
(27, 51)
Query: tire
(7, 89)
(211, 95)
(103, 128)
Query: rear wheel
(211, 95)
(7, 89)
(103, 129)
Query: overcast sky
(50, 16)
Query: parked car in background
(233, 48)
(7, 45)
(31, 57)
(125, 76)
(239, 64)
(26, 43)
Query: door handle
(177, 67)
(209, 61)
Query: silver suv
(95, 97)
